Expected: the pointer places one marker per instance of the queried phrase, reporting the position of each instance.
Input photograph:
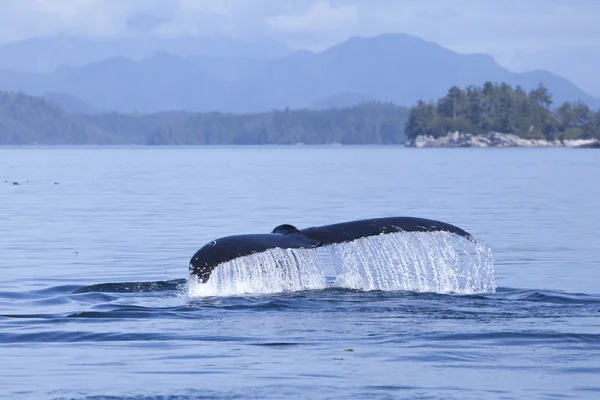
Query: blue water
(95, 243)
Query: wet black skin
(224, 249)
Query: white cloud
(471, 24)
(197, 18)
(315, 27)
(29, 18)
(516, 32)
(464, 24)
(320, 17)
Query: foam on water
(438, 262)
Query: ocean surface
(95, 300)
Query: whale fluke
(285, 236)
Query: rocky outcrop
(592, 145)
(492, 139)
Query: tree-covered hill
(136, 128)
(27, 120)
(368, 123)
(501, 108)
(32, 120)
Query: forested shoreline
(493, 107)
(501, 108)
(29, 120)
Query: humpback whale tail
(229, 248)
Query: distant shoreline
(408, 145)
(496, 140)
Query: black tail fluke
(286, 236)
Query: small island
(494, 115)
(498, 115)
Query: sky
(562, 36)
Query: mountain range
(242, 77)
(45, 54)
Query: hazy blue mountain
(26, 119)
(160, 82)
(341, 100)
(236, 69)
(46, 54)
(69, 103)
(396, 67)
(230, 69)
(561, 88)
(23, 81)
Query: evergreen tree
(500, 108)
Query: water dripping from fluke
(439, 262)
(272, 271)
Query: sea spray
(438, 262)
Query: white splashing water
(272, 271)
(438, 262)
